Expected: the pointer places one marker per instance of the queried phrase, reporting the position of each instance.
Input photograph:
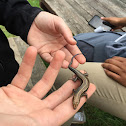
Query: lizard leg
(84, 94)
(74, 91)
(85, 73)
(74, 78)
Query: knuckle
(109, 66)
(115, 57)
(109, 60)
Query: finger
(121, 59)
(69, 57)
(24, 73)
(112, 75)
(75, 50)
(106, 19)
(65, 62)
(113, 62)
(115, 28)
(62, 28)
(118, 62)
(45, 84)
(65, 110)
(111, 68)
(61, 94)
(47, 57)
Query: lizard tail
(73, 58)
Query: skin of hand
(49, 33)
(115, 68)
(117, 22)
(21, 108)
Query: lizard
(80, 91)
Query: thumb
(105, 19)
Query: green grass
(34, 3)
(96, 117)
(6, 32)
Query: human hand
(48, 34)
(117, 22)
(20, 108)
(115, 68)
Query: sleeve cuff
(35, 12)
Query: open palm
(27, 108)
(48, 34)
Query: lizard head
(75, 104)
(76, 100)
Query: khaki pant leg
(110, 96)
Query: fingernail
(73, 40)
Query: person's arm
(17, 16)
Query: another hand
(115, 68)
(48, 34)
(20, 108)
(117, 22)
